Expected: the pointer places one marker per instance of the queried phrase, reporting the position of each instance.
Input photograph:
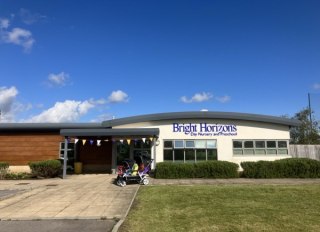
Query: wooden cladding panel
(19, 149)
(92, 154)
(28, 143)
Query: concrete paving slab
(58, 225)
(77, 197)
(6, 193)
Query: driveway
(77, 197)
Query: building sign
(205, 129)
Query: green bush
(209, 169)
(284, 168)
(46, 169)
(18, 176)
(4, 167)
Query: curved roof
(201, 115)
(111, 132)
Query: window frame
(274, 150)
(177, 149)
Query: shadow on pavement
(58, 225)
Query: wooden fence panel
(305, 151)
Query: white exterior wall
(246, 130)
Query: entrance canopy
(154, 132)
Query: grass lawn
(225, 208)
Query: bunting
(121, 140)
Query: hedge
(46, 169)
(284, 168)
(208, 169)
(4, 167)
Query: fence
(305, 151)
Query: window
(190, 143)
(139, 144)
(189, 150)
(260, 144)
(212, 154)
(201, 154)
(260, 147)
(70, 153)
(178, 144)
(190, 155)
(211, 143)
(237, 144)
(179, 155)
(237, 148)
(248, 145)
(283, 147)
(139, 148)
(168, 144)
(168, 155)
(271, 148)
(271, 144)
(200, 143)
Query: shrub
(209, 169)
(4, 167)
(284, 168)
(18, 176)
(47, 168)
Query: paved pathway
(77, 197)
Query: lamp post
(310, 118)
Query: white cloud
(59, 79)
(118, 96)
(67, 111)
(30, 18)
(7, 97)
(223, 99)
(7, 103)
(102, 117)
(198, 97)
(17, 36)
(4, 23)
(316, 86)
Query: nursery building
(170, 137)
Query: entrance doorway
(135, 148)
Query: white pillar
(154, 153)
(65, 158)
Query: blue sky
(87, 61)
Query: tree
(307, 132)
